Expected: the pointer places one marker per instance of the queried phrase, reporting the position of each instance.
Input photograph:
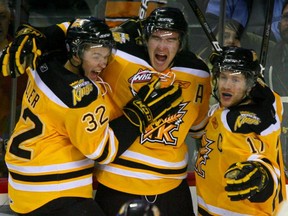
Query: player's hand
(261, 93)
(22, 52)
(130, 30)
(151, 103)
(245, 179)
(214, 57)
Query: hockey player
(64, 125)
(239, 169)
(155, 166)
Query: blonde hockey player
(239, 169)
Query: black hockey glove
(214, 58)
(22, 52)
(245, 179)
(130, 30)
(152, 103)
(262, 94)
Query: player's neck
(71, 67)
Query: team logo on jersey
(246, 117)
(162, 130)
(43, 68)
(203, 156)
(145, 75)
(81, 88)
(141, 76)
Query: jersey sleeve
(90, 131)
(55, 36)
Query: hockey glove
(262, 94)
(22, 52)
(151, 103)
(245, 179)
(214, 58)
(130, 30)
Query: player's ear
(76, 60)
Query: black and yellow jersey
(157, 161)
(63, 129)
(243, 133)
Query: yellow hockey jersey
(157, 161)
(247, 132)
(63, 129)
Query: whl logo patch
(141, 76)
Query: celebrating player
(64, 124)
(155, 166)
(239, 169)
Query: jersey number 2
(35, 131)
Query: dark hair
(233, 25)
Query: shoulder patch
(80, 88)
(73, 90)
(249, 118)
